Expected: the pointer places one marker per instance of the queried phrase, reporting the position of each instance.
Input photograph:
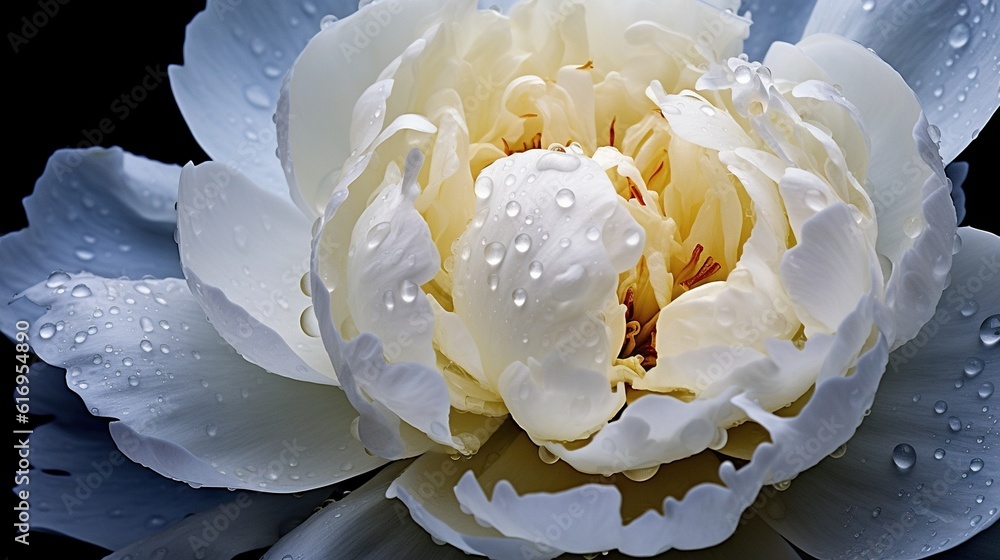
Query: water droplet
(146, 345)
(47, 331)
(904, 456)
(133, 381)
(989, 331)
(522, 243)
(484, 188)
(519, 296)
(309, 323)
(940, 407)
(565, 242)
(980, 498)
(969, 308)
(80, 337)
(876, 511)
(164, 349)
(546, 456)
(707, 110)
(56, 279)
(976, 465)
(912, 226)
(127, 362)
(494, 282)
(377, 234)
(146, 324)
(327, 21)
(973, 367)
(535, 270)
(84, 255)
(868, 5)
(783, 485)
(155, 522)
(257, 96)
(408, 291)
(388, 300)
(743, 74)
(510, 180)
(641, 475)
(954, 424)
(513, 208)
(959, 35)
(986, 390)
(939, 453)
(494, 253)
(565, 198)
(81, 291)
(593, 234)
(975, 520)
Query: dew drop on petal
(973, 367)
(494, 282)
(868, 5)
(146, 346)
(309, 323)
(959, 35)
(47, 331)
(377, 234)
(408, 291)
(939, 453)
(976, 465)
(522, 243)
(483, 188)
(743, 74)
(81, 291)
(940, 407)
(954, 424)
(513, 208)
(969, 308)
(904, 456)
(546, 456)
(989, 331)
(327, 21)
(519, 296)
(494, 253)
(56, 279)
(912, 226)
(535, 270)
(985, 390)
(257, 96)
(565, 198)
(133, 381)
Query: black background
(64, 80)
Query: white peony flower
(633, 281)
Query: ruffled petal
(235, 54)
(81, 484)
(363, 524)
(947, 52)
(244, 252)
(70, 229)
(144, 353)
(916, 477)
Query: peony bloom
(608, 279)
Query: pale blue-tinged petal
(917, 477)
(244, 251)
(774, 20)
(104, 211)
(144, 353)
(235, 55)
(81, 485)
(364, 524)
(947, 51)
(246, 521)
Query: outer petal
(81, 483)
(143, 352)
(70, 230)
(935, 398)
(364, 524)
(947, 51)
(244, 252)
(235, 55)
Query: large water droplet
(146, 345)
(327, 21)
(535, 270)
(519, 296)
(408, 291)
(484, 187)
(912, 226)
(522, 243)
(146, 324)
(954, 424)
(309, 323)
(47, 331)
(558, 161)
(904, 456)
(133, 381)
(565, 198)
(939, 453)
(513, 208)
(81, 291)
(974, 366)
(56, 279)
(985, 390)
(868, 5)
(989, 331)
(940, 407)
(976, 465)
(389, 300)
(969, 308)
(494, 253)
(377, 234)
(959, 35)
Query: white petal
(235, 54)
(774, 20)
(85, 486)
(244, 252)
(363, 524)
(693, 119)
(946, 495)
(197, 411)
(946, 51)
(321, 102)
(391, 255)
(547, 280)
(70, 230)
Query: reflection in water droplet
(939, 453)
(973, 367)
(904, 456)
(959, 35)
(989, 331)
(484, 187)
(565, 198)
